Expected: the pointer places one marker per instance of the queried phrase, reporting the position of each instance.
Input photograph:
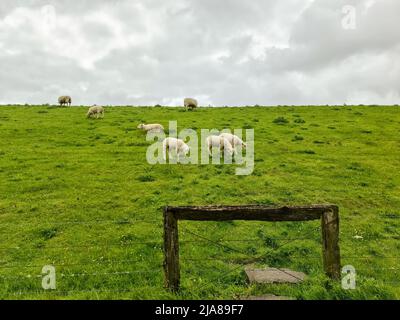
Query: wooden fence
(328, 214)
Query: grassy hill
(78, 194)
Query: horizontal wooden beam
(252, 212)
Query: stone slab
(274, 275)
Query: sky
(230, 52)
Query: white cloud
(229, 52)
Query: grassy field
(79, 194)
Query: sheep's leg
(165, 151)
(222, 149)
(170, 155)
(210, 150)
(172, 151)
(178, 154)
(181, 154)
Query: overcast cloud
(230, 52)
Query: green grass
(79, 194)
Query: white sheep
(221, 143)
(95, 111)
(151, 127)
(64, 100)
(190, 103)
(233, 140)
(178, 145)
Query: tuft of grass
(146, 178)
(298, 138)
(47, 234)
(306, 151)
(280, 120)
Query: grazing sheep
(178, 145)
(190, 103)
(151, 127)
(233, 140)
(96, 111)
(221, 143)
(64, 100)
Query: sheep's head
(140, 126)
(185, 149)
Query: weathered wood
(259, 213)
(330, 242)
(171, 251)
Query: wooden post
(330, 242)
(171, 251)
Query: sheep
(190, 103)
(64, 100)
(233, 140)
(178, 145)
(151, 127)
(221, 143)
(95, 111)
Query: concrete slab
(274, 275)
